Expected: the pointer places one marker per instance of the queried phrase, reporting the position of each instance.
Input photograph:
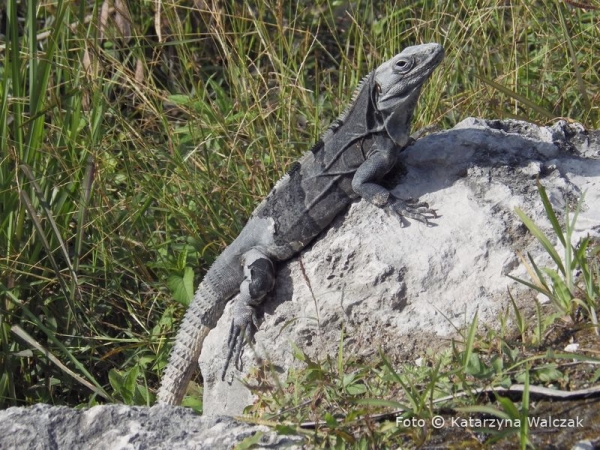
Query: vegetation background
(137, 136)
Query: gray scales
(346, 164)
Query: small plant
(516, 418)
(559, 284)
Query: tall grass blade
(541, 237)
(17, 330)
(39, 74)
(520, 98)
(576, 68)
(49, 217)
(50, 253)
(469, 343)
(524, 429)
(521, 325)
(52, 337)
(550, 213)
(86, 193)
(413, 398)
(17, 83)
(42, 236)
(562, 294)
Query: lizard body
(360, 147)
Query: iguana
(358, 149)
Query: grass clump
(138, 136)
(568, 296)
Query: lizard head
(398, 83)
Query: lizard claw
(413, 209)
(241, 330)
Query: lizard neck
(397, 123)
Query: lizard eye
(403, 65)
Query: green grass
(131, 156)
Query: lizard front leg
(365, 183)
(259, 279)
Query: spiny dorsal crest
(342, 117)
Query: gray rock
(405, 289)
(583, 445)
(124, 427)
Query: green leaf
(540, 236)
(180, 99)
(550, 213)
(548, 373)
(129, 384)
(572, 356)
(509, 407)
(505, 383)
(250, 441)
(118, 382)
(182, 286)
(474, 365)
(535, 287)
(356, 389)
(520, 376)
(125, 384)
(143, 396)
(561, 291)
(511, 353)
(348, 379)
(470, 341)
(518, 316)
(539, 274)
(497, 363)
(297, 352)
(193, 402)
(524, 432)
(330, 420)
(115, 379)
(478, 368)
(285, 429)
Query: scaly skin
(347, 163)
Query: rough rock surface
(401, 289)
(117, 427)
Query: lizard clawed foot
(242, 328)
(412, 209)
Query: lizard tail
(200, 317)
(182, 362)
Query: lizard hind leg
(259, 279)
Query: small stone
(572, 348)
